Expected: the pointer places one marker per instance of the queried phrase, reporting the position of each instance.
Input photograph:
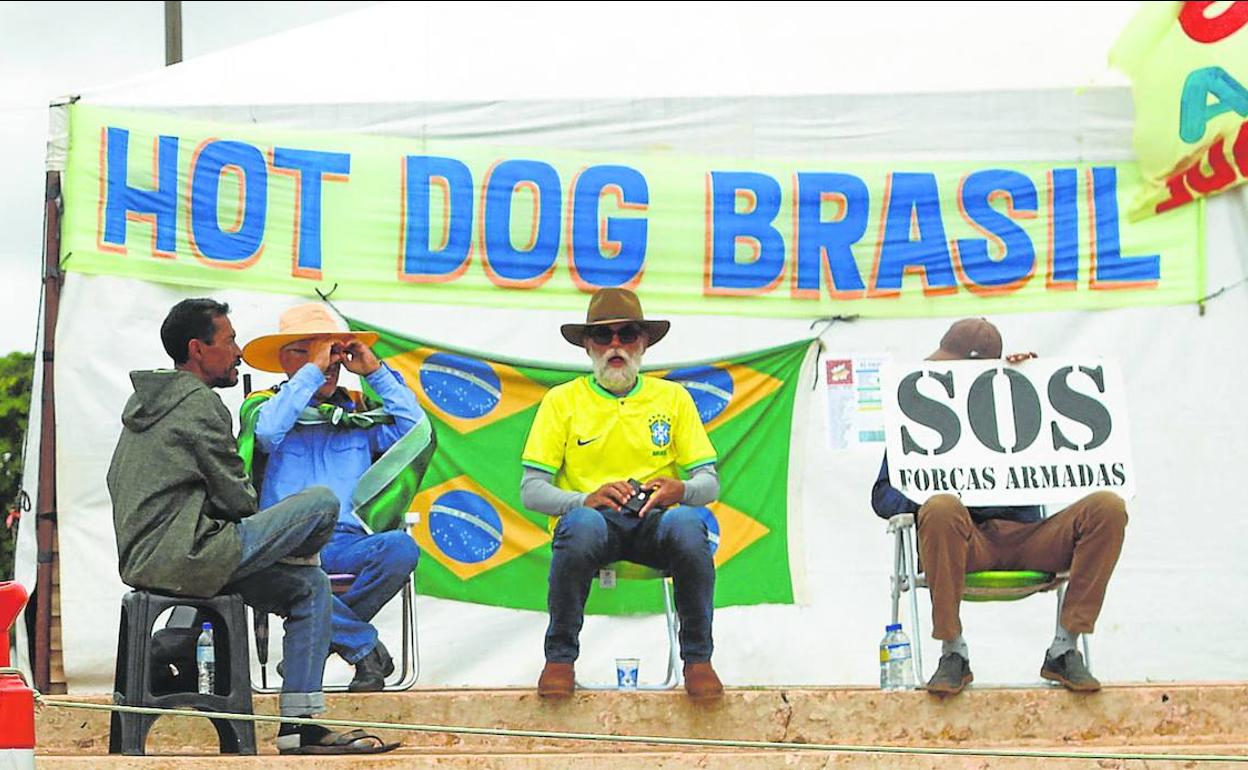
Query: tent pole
(46, 505)
(173, 32)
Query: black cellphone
(633, 505)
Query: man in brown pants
(1084, 538)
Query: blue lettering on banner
(1111, 265)
(1019, 259)
(310, 168)
(122, 200)
(1065, 265)
(753, 225)
(820, 242)
(207, 236)
(914, 203)
(521, 267)
(420, 260)
(625, 237)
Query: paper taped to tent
(462, 179)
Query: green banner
(1188, 64)
(476, 223)
(481, 545)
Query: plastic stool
(132, 680)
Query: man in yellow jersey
(591, 438)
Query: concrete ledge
(1178, 715)
(734, 760)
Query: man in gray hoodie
(187, 523)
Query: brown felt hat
(298, 323)
(613, 306)
(969, 338)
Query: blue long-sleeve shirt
(304, 455)
(889, 502)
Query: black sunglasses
(603, 335)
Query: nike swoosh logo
(590, 441)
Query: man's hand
(359, 359)
(611, 495)
(1018, 358)
(324, 352)
(664, 493)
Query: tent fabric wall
(1180, 562)
(1181, 556)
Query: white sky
(50, 49)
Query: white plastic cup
(626, 673)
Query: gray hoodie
(178, 487)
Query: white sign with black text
(1039, 432)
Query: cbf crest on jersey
(660, 430)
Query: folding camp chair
(985, 586)
(627, 570)
(408, 668)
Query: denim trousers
(297, 526)
(382, 564)
(674, 540)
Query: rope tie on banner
(1215, 294)
(655, 739)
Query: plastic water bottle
(896, 665)
(206, 660)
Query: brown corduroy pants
(1085, 539)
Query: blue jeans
(382, 563)
(297, 526)
(674, 540)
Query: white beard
(616, 379)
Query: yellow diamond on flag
(470, 531)
(722, 391)
(736, 531)
(464, 392)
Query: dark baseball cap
(969, 338)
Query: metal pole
(173, 32)
(45, 528)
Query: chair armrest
(899, 522)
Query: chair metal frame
(906, 577)
(409, 656)
(626, 570)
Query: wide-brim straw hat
(614, 306)
(970, 338)
(298, 323)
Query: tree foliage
(17, 372)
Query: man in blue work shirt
(311, 349)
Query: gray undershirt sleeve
(702, 486)
(539, 493)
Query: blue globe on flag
(465, 526)
(711, 387)
(461, 386)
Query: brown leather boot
(701, 682)
(557, 681)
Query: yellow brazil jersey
(588, 436)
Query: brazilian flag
(480, 545)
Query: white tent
(899, 82)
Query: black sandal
(314, 739)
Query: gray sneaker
(1069, 669)
(952, 674)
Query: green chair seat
(1004, 585)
